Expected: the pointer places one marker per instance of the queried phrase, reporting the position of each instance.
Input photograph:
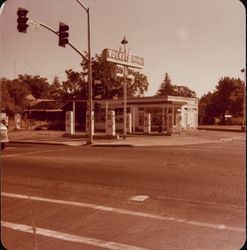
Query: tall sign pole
(124, 42)
(125, 60)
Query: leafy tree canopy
(227, 98)
(167, 88)
(75, 86)
(38, 86)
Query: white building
(166, 113)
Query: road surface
(176, 197)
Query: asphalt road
(180, 197)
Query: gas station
(127, 115)
(154, 114)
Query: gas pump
(87, 122)
(129, 123)
(17, 121)
(69, 123)
(147, 123)
(111, 123)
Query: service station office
(154, 114)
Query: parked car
(3, 135)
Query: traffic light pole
(90, 78)
(22, 19)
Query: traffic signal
(63, 34)
(22, 20)
(97, 88)
(97, 107)
(95, 69)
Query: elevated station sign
(129, 72)
(122, 58)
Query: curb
(222, 130)
(112, 145)
(71, 143)
(116, 137)
(47, 143)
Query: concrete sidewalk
(44, 137)
(79, 139)
(226, 128)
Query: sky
(195, 41)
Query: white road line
(70, 237)
(139, 198)
(126, 212)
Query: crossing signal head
(63, 34)
(97, 88)
(22, 20)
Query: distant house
(44, 109)
(30, 99)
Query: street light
(244, 104)
(124, 42)
(90, 78)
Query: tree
(112, 84)
(138, 86)
(106, 73)
(7, 102)
(207, 108)
(75, 86)
(166, 87)
(229, 97)
(38, 86)
(13, 96)
(183, 91)
(56, 89)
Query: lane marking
(139, 198)
(126, 212)
(70, 237)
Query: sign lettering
(122, 58)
